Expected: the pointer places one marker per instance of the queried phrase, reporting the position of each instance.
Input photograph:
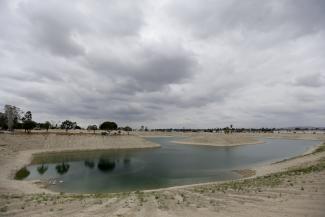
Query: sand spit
(232, 139)
(208, 139)
(219, 140)
(294, 187)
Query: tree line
(15, 118)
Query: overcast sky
(184, 63)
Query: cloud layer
(169, 64)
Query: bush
(22, 173)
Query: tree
(28, 123)
(226, 130)
(107, 125)
(28, 116)
(92, 127)
(47, 125)
(13, 115)
(76, 127)
(3, 121)
(127, 128)
(67, 125)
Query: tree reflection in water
(126, 162)
(89, 163)
(62, 168)
(105, 165)
(42, 169)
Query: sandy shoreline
(172, 201)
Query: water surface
(170, 165)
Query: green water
(169, 165)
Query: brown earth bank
(293, 187)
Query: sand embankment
(50, 142)
(207, 139)
(16, 151)
(216, 139)
(304, 136)
(232, 139)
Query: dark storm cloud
(159, 70)
(151, 71)
(178, 63)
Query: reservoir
(139, 169)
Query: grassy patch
(321, 148)
(271, 180)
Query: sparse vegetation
(22, 173)
(321, 148)
(271, 180)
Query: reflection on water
(105, 165)
(90, 164)
(62, 168)
(170, 165)
(42, 169)
(126, 162)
